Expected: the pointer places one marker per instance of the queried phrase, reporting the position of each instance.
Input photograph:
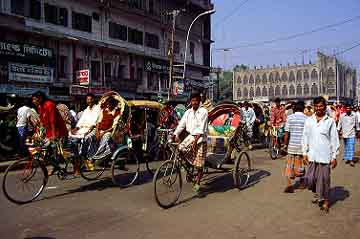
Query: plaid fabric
(294, 166)
(349, 148)
(197, 158)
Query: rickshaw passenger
(194, 146)
(108, 119)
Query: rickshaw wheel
(241, 172)
(125, 168)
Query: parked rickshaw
(168, 177)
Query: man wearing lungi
(348, 125)
(294, 129)
(320, 148)
(250, 118)
(194, 146)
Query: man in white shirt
(349, 125)
(320, 148)
(22, 124)
(194, 146)
(84, 127)
(250, 118)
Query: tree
(240, 67)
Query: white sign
(30, 73)
(83, 76)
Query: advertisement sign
(8, 48)
(83, 76)
(179, 87)
(81, 90)
(30, 73)
(21, 91)
(160, 67)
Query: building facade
(327, 77)
(123, 44)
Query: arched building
(327, 77)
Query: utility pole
(174, 14)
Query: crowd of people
(310, 135)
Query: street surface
(80, 209)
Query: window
(18, 7)
(79, 64)
(192, 52)
(107, 69)
(62, 67)
(35, 9)
(56, 15)
(176, 47)
(151, 40)
(136, 36)
(81, 22)
(117, 31)
(95, 71)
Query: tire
(241, 172)
(125, 168)
(93, 174)
(21, 175)
(273, 152)
(166, 177)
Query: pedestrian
(348, 126)
(250, 118)
(294, 129)
(23, 124)
(320, 148)
(278, 120)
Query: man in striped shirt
(294, 128)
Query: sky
(242, 22)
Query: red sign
(84, 77)
(79, 90)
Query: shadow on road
(224, 182)
(39, 238)
(338, 194)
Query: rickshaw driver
(194, 146)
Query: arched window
(264, 79)
(257, 80)
(251, 92)
(284, 90)
(292, 90)
(251, 80)
(292, 77)
(277, 90)
(314, 90)
(331, 83)
(258, 91)
(271, 78)
(299, 90)
(298, 76)
(246, 93)
(271, 91)
(245, 80)
(306, 89)
(314, 75)
(239, 93)
(264, 91)
(284, 77)
(238, 81)
(306, 75)
(277, 77)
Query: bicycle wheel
(125, 168)
(167, 184)
(92, 171)
(273, 150)
(241, 172)
(24, 180)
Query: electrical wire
(225, 18)
(290, 37)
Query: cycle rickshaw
(168, 177)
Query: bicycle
(275, 143)
(32, 173)
(169, 175)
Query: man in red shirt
(50, 117)
(278, 119)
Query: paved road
(80, 209)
